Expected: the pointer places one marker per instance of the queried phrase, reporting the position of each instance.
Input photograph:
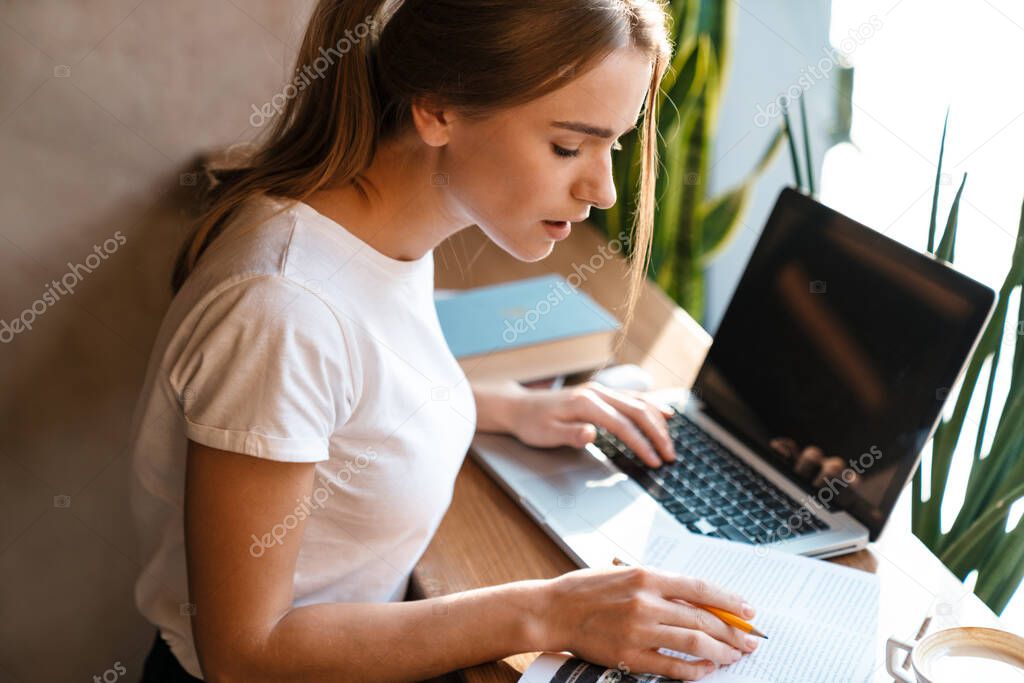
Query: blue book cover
(517, 314)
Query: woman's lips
(558, 230)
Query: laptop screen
(836, 354)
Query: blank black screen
(840, 338)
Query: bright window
(923, 56)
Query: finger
(688, 616)
(646, 416)
(702, 592)
(809, 462)
(831, 468)
(592, 407)
(666, 408)
(577, 434)
(653, 662)
(683, 615)
(697, 643)
(785, 446)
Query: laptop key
(733, 534)
(687, 517)
(689, 501)
(675, 486)
(675, 507)
(718, 500)
(708, 487)
(818, 524)
(750, 527)
(704, 526)
(658, 493)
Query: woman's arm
(244, 626)
(241, 571)
(496, 405)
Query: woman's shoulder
(267, 237)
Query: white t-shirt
(294, 340)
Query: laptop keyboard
(711, 491)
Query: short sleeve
(264, 370)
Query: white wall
(775, 42)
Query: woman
(303, 421)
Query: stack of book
(525, 330)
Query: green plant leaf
(948, 242)
(770, 152)
(996, 475)
(993, 515)
(721, 216)
(927, 524)
(808, 159)
(938, 180)
(684, 20)
(793, 156)
(689, 85)
(670, 202)
(714, 21)
(926, 514)
(1017, 373)
(1002, 571)
(989, 388)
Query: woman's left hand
(567, 417)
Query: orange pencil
(727, 617)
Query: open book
(821, 618)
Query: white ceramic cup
(958, 654)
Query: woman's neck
(399, 205)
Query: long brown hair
(363, 62)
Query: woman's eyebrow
(587, 129)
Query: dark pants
(162, 666)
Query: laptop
(825, 379)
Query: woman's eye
(617, 146)
(563, 152)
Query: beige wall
(103, 105)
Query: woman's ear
(433, 122)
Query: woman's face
(549, 159)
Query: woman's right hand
(621, 616)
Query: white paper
(821, 618)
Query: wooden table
(486, 539)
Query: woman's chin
(545, 252)
(530, 248)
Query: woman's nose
(598, 187)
